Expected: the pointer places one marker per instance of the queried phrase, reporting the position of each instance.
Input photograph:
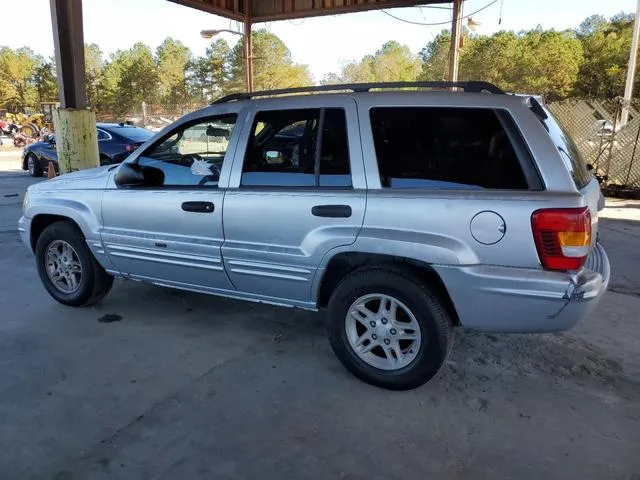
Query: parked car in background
(115, 142)
(402, 214)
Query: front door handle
(198, 207)
(332, 211)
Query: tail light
(562, 236)
(131, 147)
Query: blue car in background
(115, 142)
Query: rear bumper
(500, 299)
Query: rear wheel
(33, 166)
(388, 328)
(68, 269)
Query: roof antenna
(500, 16)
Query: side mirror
(273, 157)
(129, 175)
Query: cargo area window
(298, 148)
(444, 148)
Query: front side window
(444, 148)
(190, 156)
(298, 148)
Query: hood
(82, 179)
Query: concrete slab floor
(192, 386)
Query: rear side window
(102, 135)
(444, 148)
(569, 152)
(135, 134)
(298, 148)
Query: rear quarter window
(444, 148)
(134, 134)
(569, 151)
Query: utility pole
(248, 48)
(631, 69)
(456, 28)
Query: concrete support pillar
(76, 139)
(75, 126)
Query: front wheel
(388, 328)
(33, 166)
(68, 269)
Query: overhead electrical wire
(438, 23)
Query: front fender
(75, 210)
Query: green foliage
(272, 65)
(17, 70)
(172, 60)
(130, 78)
(45, 82)
(208, 76)
(93, 70)
(537, 61)
(606, 53)
(435, 57)
(392, 63)
(590, 61)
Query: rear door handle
(198, 207)
(332, 211)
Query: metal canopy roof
(256, 11)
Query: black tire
(435, 325)
(94, 283)
(37, 168)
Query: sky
(323, 43)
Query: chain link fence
(612, 148)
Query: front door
(297, 193)
(169, 229)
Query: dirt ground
(191, 386)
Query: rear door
(297, 190)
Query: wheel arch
(42, 221)
(44, 211)
(25, 160)
(344, 263)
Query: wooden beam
(287, 6)
(210, 8)
(68, 42)
(323, 7)
(289, 9)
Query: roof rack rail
(472, 86)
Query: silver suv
(404, 214)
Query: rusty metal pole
(75, 125)
(248, 47)
(456, 28)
